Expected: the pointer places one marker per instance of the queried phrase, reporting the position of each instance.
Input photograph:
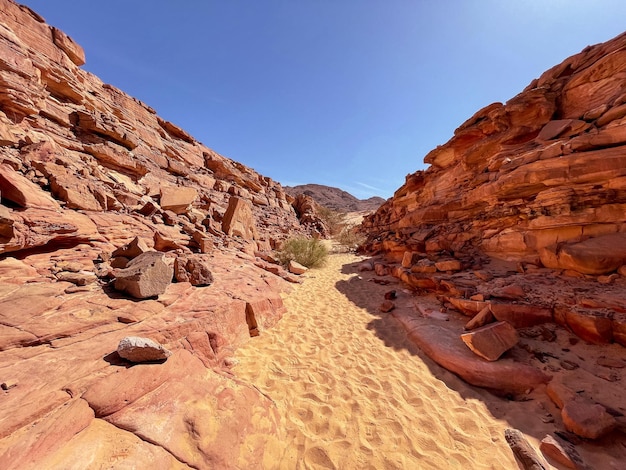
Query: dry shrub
(309, 252)
(334, 220)
(350, 238)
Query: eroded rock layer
(538, 182)
(92, 181)
(525, 179)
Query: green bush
(309, 252)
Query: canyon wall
(528, 179)
(91, 181)
(524, 208)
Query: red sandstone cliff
(540, 181)
(84, 169)
(528, 179)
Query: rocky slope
(84, 170)
(539, 181)
(335, 198)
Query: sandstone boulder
(145, 276)
(194, 269)
(238, 219)
(132, 249)
(296, 268)
(136, 349)
(19, 190)
(491, 341)
(443, 346)
(600, 255)
(589, 420)
(177, 199)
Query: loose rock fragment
(136, 349)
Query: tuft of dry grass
(309, 252)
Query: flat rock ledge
(444, 347)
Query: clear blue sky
(347, 93)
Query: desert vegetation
(309, 252)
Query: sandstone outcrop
(148, 275)
(538, 182)
(92, 181)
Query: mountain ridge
(335, 198)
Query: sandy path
(354, 394)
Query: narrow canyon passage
(353, 393)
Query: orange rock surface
(537, 184)
(84, 170)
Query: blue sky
(346, 93)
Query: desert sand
(353, 393)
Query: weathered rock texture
(540, 172)
(85, 170)
(539, 181)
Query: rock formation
(539, 182)
(90, 179)
(519, 224)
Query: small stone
(365, 266)
(8, 384)
(560, 452)
(569, 365)
(608, 279)
(380, 269)
(448, 265)
(81, 278)
(296, 268)
(390, 295)
(610, 362)
(137, 349)
(585, 419)
(387, 306)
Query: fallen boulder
(145, 276)
(136, 349)
(296, 268)
(491, 341)
(132, 249)
(177, 199)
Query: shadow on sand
(525, 414)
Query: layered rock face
(539, 181)
(518, 179)
(84, 170)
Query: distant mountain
(335, 198)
